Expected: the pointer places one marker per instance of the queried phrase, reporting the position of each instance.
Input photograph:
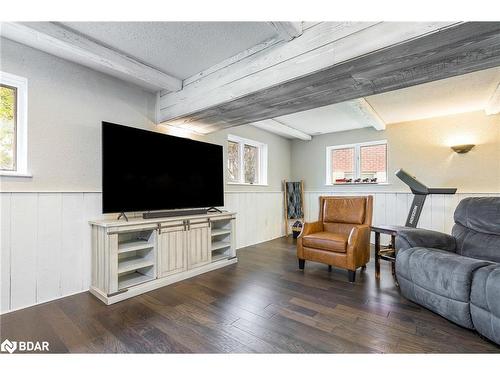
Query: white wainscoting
(45, 240)
(392, 208)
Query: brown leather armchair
(341, 236)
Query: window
(13, 125)
(357, 163)
(246, 161)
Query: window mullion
(357, 155)
(241, 162)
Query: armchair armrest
(358, 246)
(416, 237)
(358, 233)
(313, 227)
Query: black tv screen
(147, 171)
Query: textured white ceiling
(465, 93)
(181, 49)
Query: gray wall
(422, 148)
(66, 104)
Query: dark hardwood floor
(262, 304)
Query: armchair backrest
(340, 214)
(477, 228)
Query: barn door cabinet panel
(133, 257)
(198, 244)
(172, 249)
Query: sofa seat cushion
(485, 302)
(328, 241)
(438, 280)
(439, 271)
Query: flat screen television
(147, 171)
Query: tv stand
(134, 257)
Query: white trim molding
(357, 159)
(21, 86)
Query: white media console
(139, 255)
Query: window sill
(15, 174)
(359, 184)
(245, 184)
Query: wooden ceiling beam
(493, 105)
(319, 48)
(452, 51)
(287, 30)
(62, 42)
(279, 128)
(362, 108)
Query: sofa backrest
(477, 228)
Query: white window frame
(262, 149)
(21, 85)
(357, 159)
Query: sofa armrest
(313, 227)
(416, 237)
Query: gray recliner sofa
(456, 276)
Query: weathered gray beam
(320, 47)
(453, 51)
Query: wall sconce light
(462, 149)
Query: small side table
(387, 253)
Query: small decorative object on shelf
(297, 228)
(356, 181)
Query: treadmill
(420, 192)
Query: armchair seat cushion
(327, 241)
(439, 280)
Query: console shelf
(133, 263)
(131, 279)
(216, 245)
(217, 257)
(220, 232)
(125, 247)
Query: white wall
(44, 235)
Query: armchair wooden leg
(302, 263)
(363, 267)
(352, 276)
(329, 268)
